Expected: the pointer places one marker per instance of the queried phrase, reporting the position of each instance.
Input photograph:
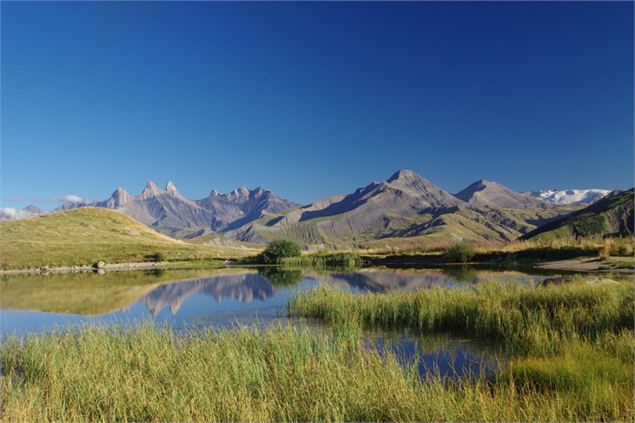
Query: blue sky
(313, 99)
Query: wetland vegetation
(569, 351)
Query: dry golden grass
(86, 235)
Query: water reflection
(438, 355)
(244, 288)
(381, 280)
(200, 297)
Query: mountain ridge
(483, 193)
(169, 212)
(405, 205)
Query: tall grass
(526, 319)
(279, 374)
(323, 261)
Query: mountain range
(406, 205)
(169, 212)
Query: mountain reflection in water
(265, 285)
(244, 288)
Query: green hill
(611, 216)
(84, 236)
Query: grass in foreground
(87, 235)
(287, 374)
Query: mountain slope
(405, 205)
(86, 235)
(612, 215)
(492, 194)
(377, 210)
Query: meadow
(87, 235)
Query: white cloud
(9, 213)
(72, 198)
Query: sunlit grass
(524, 318)
(286, 374)
(87, 235)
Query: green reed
(525, 319)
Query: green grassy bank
(290, 374)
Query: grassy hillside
(84, 236)
(611, 216)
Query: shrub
(156, 257)
(461, 252)
(622, 247)
(278, 249)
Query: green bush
(156, 257)
(461, 252)
(278, 249)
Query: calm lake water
(221, 298)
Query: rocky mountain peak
(403, 175)
(121, 195)
(480, 185)
(33, 209)
(151, 189)
(170, 188)
(414, 184)
(484, 193)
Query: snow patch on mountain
(570, 196)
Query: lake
(223, 298)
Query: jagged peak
(121, 193)
(261, 190)
(150, 190)
(403, 174)
(170, 188)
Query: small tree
(278, 249)
(461, 252)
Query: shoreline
(110, 267)
(581, 264)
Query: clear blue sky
(313, 99)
